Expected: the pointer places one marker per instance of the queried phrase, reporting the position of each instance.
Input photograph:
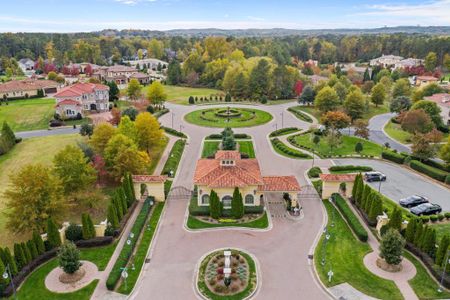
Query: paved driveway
(281, 252)
(401, 183)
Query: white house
(385, 61)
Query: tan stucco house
(154, 185)
(331, 183)
(228, 170)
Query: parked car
(412, 201)
(426, 209)
(374, 176)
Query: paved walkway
(53, 284)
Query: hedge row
(287, 150)
(300, 115)
(352, 220)
(174, 132)
(350, 168)
(392, 156)
(161, 112)
(218, 136)
(174, 158)
(127, 250)
(314, 172)
(428, 170)
(283, 131)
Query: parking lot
(402, 183)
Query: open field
(28, 114)
(34, 150)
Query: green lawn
(344, 254)
(210, 148)
(284, 150)
(397, 133)
(441, 229)
(98, 255)
(423, 285)
(28, 114)
(174, 158)
(310, 110)
(347, 146)
(33, 150)
(156, 154)
(180, 94)
(299, 113)
(248, 118)
(260, 223)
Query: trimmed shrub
(174, 132)
(38, 242)
(447, 179)
(287, 150)
(350, 217)
(74, 232)
(53, 237)
(174, 158)
(314, 172)
(283, 131)
(428, 170)
(447, 215)
(300, 115)
(389, 155)
(433, 218)
(425, 219)
(350, 168)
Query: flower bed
(211, 277)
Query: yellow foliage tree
(156, 93)
(149, 133)
(102, 134)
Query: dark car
(426, 209)
(374, 176)
(412, 201)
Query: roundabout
(228, 117)
(227, 274)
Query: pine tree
(411, 230)
(423, 238)
(32, 248)
(369, 200)
(429, 246)
(9, 260)
(19, 256)
(391, 247)
(130, 183)
(53, 237)
(2, 271)
(376, 208)
(366, 76)
(40, 247)
(215, 206)
(123, 199)
(237, 206)
(91, 226)
(26, 252)
(355, 187)
(442, 250)
(88, 227)
(418, 233)
(395, 221)
(2, 255)
(118, 205)
(112, 216)
(8, 139)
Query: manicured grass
(211, 147)
(423, 285)
(308, 109)
(347, 146)
(261, 223)
(28, 114)
(397, 133)
(180, 94)
(251, 285)
(33, 150)
(283, 131)
(174, 158)
(155, 155)
(344, 254)
(99, 255)
(142, 249)
(441, 229)
(284, 150)
(34, 286)
(248, 118)
(299, 114)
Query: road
(401, 183)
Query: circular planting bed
(227, 277)
(228, 117)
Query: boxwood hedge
(392, 156)
(428, 170)
(287, 150)
(352, 220)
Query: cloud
(252, 18)
(431, 12)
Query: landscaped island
(228, 117)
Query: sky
(92, 15)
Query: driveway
(402, 183)
(281, 252)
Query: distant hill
(434, 30)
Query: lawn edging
(351, 219)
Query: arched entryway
(93, 106)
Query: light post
(6, 275)
(181, 128)
(282, 120)
(324, 251)
(124, 270)
(276, 126)
(447, 260)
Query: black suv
(412, 201)
(426, 209)
(374, 176)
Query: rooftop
(149, 178)
(338, 177)
(280, 183)
(79, 89)
(26, 85)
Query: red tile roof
(427, 78)
(79, 89)
(68, 102)
(26, 85)
(280, 184)
(149, 178)
(244, 172)
(338, 177)
(442, 99)
(139, 75)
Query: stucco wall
(221, 192)
(330, 187)
(155, 189)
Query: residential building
(28, 88)
(315, 79)
(424, 80)
(120, 74)
(143, 79)
(331, 183)
(149, 63)
(408, 63)
(27, 66)
(385, 61)
(75, 100)
(228, 170)
(443, 101)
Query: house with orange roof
(228, 170)
(75, 100)
(331, 183)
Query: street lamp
(181, 128)
(276, 125)
(6, 275)
(324, 248)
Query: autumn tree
(416, 121)
(431, 61)
(402, 87)
(326, 100)
(134, 89)
(355, 104)
(334, 121)
(34, 195)
(432, 110)
(399, 104)
(73, 169)
(422, 148)
(361, 128)
(378, 94)
(128, 128)
(102, 133)
(156, 93)
(444, 153)
(149, 133)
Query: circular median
(228, 117)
